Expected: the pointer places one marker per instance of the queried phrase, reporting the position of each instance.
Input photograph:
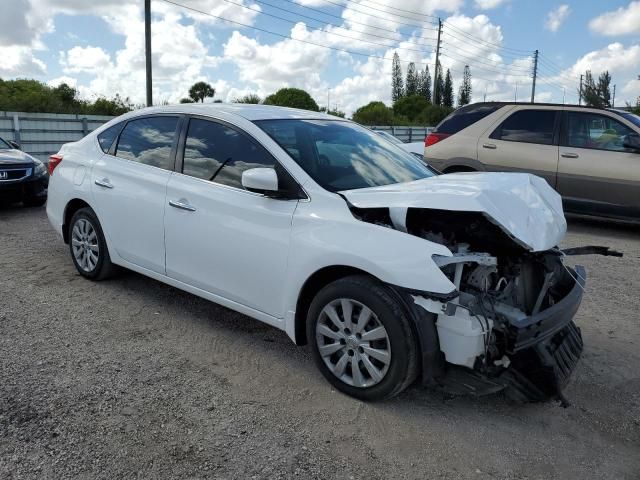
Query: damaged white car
(325, 230)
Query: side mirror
(15, 145)
(632, 141)
(260, 180)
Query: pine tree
(397, 87)
(411, 85)
(597, 94)
(604, 88)
(447, 96)
(438, 86)
(424, 84)
(464, 97)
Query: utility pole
(580, 98)
(535, 75)
(435, 75)
(613, 103)
(563, 94)
(147, 48)
(515, 97)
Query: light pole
(147, 49)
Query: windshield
(633, 118)
(389, 137)
(341, 155)
(4, 144)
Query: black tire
(103, 267)
(403, 367)
(34, 201)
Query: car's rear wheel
(88, 246)
(361, 338)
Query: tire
(358, 342)
(88, 247)
(34, 201)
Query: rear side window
(527, 126)
(220, 154)
(148, 141)
(465, 117)
(107, 137)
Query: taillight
(434, 138)
(54, 161)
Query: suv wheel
(361, 338)
(88, 246)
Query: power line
(482, 40)
(500, 72)
(482, 47)
(401, 9)
(293, 22)
(289, 37)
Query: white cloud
(91, 60)
(556, 17)
(55, 82)
(488, 4)
(18, 61)
(623, 21)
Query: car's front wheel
(88, 246)
(361, 338)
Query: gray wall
(406, 134)
(42, 134)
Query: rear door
(526, 141)
(597, 174)
(220, 237)
(129, 188)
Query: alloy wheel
(84, 242)
(353, 343)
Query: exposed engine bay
(509, 323)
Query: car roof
(536, 104)
(248, 111)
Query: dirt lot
(131, 378)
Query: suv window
(148, 140)
(527, 126)
(591, 130)
(465, 117)
(106, 138)
(219, 153)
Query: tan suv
(590, 156)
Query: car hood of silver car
(12, 156)
(522, 205)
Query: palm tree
(201, 90)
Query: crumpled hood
(14, 156)
(523, 205)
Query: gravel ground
(130, 378)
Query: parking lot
(130, 378)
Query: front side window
(107, 137)
(527, 126)
(341, 155)
(220, 154)
(591, 130)
(148, 141)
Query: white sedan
(324, 230)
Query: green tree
(250, 98)
(292, 97)
(411, 87)
(397, 87)
(464, 95)
(335, 112)
(374, 113)
(410, 107)
(597, 94)
(201, 90)
(186, 100)
(424, 84)
(447, 93)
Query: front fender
(334, 237)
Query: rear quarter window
(465, 117)
(108, 136)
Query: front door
(129, 189)
(220, 237)
(596, 173)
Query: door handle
(490, 146)
(103, 183)
(182, 205)
(569, 155)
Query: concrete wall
(42, 134)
